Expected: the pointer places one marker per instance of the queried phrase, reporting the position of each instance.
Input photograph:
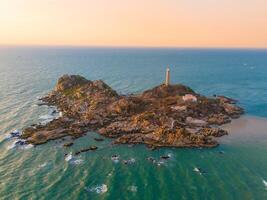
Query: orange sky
(174, 23)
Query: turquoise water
(43, 173)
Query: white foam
(52, 114)
(46, 117)
(99, 189)
(77, 162)
(42, 165)
(197, 170)
(46, 121)
(7, 137)
(15, 144)
(130, 161)
(161, 162)
(68, 157)
(170, 155)
(115, 158)
(26, 146)
(15, 133)
(73, 160)
(11, 146)
(132, 188)
(264, 183)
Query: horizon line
(131, 46)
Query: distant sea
(237, 169)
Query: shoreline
(245, 129)
(166, 115)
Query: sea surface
(237, 169)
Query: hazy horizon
(118, 23)
(125, 47)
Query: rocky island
(164, 116)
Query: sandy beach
(245, 129)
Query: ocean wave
(132, 188)
(130, 161)
(19, 144)
(160, 162)
(46, 117)
(53, 113)
(72, 160)
(99, 189)
(13, 134)
(68, 157)
(115, 158)
(77, 161)
(26, 146)
(199, 170)
(40, 166)
(11, 146)
(264, 183)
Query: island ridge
(167, 115)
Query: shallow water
(234, 170)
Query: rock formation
(167, 115)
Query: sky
(152, 23)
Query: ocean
(237, 169)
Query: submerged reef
(166, 115)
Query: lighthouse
(167, 81)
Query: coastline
(235, 169)
(166, 115)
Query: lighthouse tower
(167, 81)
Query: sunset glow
(174, 23)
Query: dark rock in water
(99, 139)
(68, 144)
(164, 116)
(91, 148)
(41, 103)
(199, 170)
(130, 161)
(225, 99)
(15, 133)
(77, 153)
(165, 157)
(53, 112)
(20, 142)
(151, 159)
(151, 147)
(115, 158)
(84, 150)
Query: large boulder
(69, 81)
